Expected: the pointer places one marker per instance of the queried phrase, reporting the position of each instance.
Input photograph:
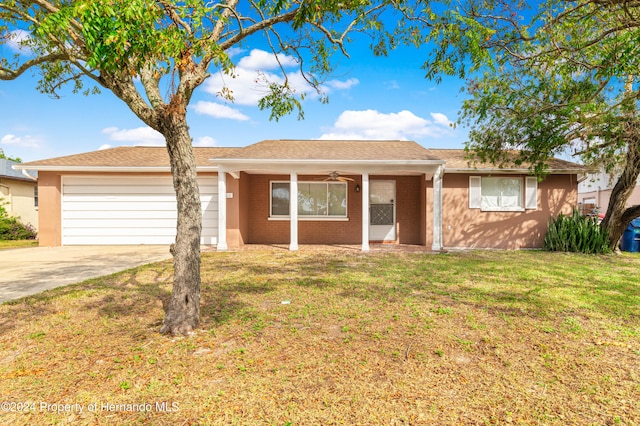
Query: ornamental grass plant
(577, 234)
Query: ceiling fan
(335, 176)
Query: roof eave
(320, 166)
(16, 178)
(110, 169)
(318, 161)
(511, 171)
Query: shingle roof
(331, 150)
(7, 171)
(458, 159)
(128, 156)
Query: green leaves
(281, 101)
(577, 234)
(121, 34)
(538, 81)
(154, 50)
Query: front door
(382, 210)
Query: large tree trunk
(618, 216)
(183, 312)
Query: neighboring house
(409, 195)
(18, 193)
(594, 193)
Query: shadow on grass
(539, 284)
(127, 293)
(510, 283)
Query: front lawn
(321, 337)
(12, 244)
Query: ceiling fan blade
(335, 177)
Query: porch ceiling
(323, 167)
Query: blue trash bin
(631, 237)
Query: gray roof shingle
(7, 171)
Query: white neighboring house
(18, 193)
(595, 191)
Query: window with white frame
(503, 193)
(315, 199)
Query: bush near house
(12, 229)
(576, 233)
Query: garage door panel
(131, 192)
(128, 204)
(119, 189)
(95, 232)
(114, 214)
(168, 198)
(129, 210)
(119, 206)
(98, 218)
(132, 224)
(131, 240)
(118, 240)
(98, 198)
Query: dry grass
(336, 337)
(12, 244)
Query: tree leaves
(541, 82)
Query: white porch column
(293, 211)
(437, 210)
(365, 211)
(222, 209)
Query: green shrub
(576, 233)
(12, 229)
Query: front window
(501, 193)
(315, 199)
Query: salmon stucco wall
(234, 233)
(463, 227)
(262, 230)
(49, 209)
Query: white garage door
(130, 210)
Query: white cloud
(234, 51)
(205, 141)
(218, 111)
(245, 87)
(15, 40)
(392, 85)
(343, 85)
(26, 141)
(372, 124)
(144, 136)
(260, 60)
(105, 146)
(441, 119)
(253, 74)
(347, 136)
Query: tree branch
(121, 84)
(12, 74)
(259, 26)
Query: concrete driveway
(31, 270)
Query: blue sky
(369, 98)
